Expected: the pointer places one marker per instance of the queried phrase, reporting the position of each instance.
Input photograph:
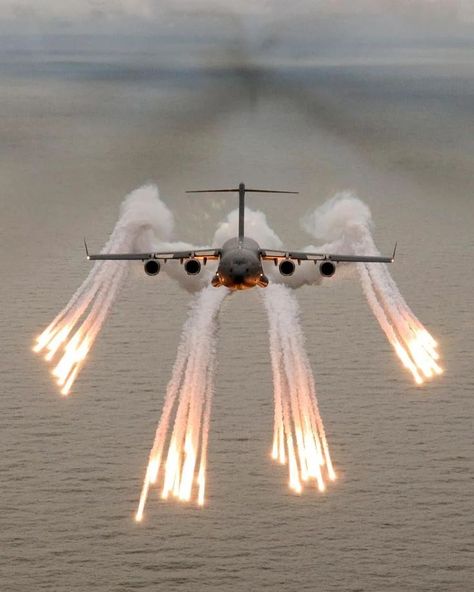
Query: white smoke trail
(70, 336)
(347, 220)
(178, 457)
(188, 401)
(299, 437)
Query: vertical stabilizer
(241, 190)
(241, 210)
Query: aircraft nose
(238, 278)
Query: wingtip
(87, 250)
(394, 252)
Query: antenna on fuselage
(241, 190)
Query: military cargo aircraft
(240, 258)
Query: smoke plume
(178, 457)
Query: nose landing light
(216, 281)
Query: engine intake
(287, 267)
(327, 269)
(192, 266)
(152, 267)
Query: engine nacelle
(152, 267)
(327, 269)
(287, 267)
(192, 266)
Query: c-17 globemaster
(240, 258)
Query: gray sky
(385, 30)
(52, 11)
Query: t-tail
(241, 190)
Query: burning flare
(415, 347)
(299, 439)
(347, 221)
(178, 457)
(181, 457)
(73, 332)
(413, 344)
(71, 335)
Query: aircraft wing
(273, 255)
(208, 254)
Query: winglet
(87, 250)
(394, 251)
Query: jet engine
(152, 267)
(192, 266)
(287, 267)
(327, 269)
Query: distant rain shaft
(178, 457)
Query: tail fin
(241, 190)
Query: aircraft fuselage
(240, 265)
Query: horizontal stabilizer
(241, 190)
(237, 189)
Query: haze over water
(80, 129)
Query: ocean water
(77, 136)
